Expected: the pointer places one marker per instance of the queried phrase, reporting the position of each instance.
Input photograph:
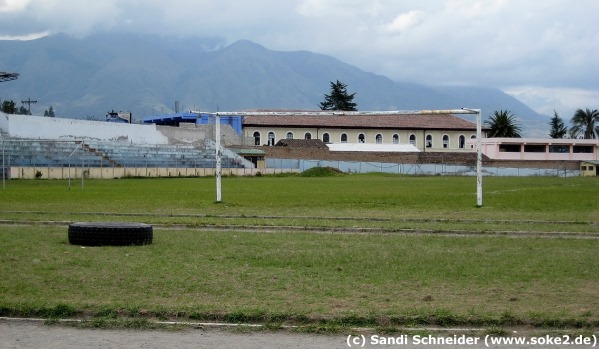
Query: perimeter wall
(123, 172)
(413, 163)
(39, 127)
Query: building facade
(435, 132)
(589, 168)
(541, 149)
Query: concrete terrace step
(111, 154)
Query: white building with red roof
(426, 132)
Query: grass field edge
(151, 319)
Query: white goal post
(477, 112)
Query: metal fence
(420, 169)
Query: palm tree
(585, 122)
(503, 124)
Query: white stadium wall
(3, 123)
(39, 127)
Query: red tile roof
(362, 121)
(302, 143)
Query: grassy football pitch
(358, 250)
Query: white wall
(120, 172)
(3, 123)
(39, 127)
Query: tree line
(584, 124)
(10, 107)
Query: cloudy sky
(544, 52)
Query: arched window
(326, 138)
(343, 138)
(361, 138)
(379, 138)
(462, 142)
(413, 140)
(396, 139)
(472, 137)
(271, 138)
(445, 141)
(308, 135)
(256, 138)
(289, 135)
(429, 141)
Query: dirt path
(354, 230)
(29, 334)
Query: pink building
(539, 149)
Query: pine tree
(9, 107)
(49, 112)
(558, 128)
(23, 111)
(338, 99)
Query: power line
(29, 102)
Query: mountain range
(152, 75)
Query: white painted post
(479, 160)
(82, 172)
(3, 168)
(218, 160)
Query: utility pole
(29, 102)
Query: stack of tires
(110, 234)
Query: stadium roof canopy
(171, 119)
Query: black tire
(110, 234)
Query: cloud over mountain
(146, 74)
